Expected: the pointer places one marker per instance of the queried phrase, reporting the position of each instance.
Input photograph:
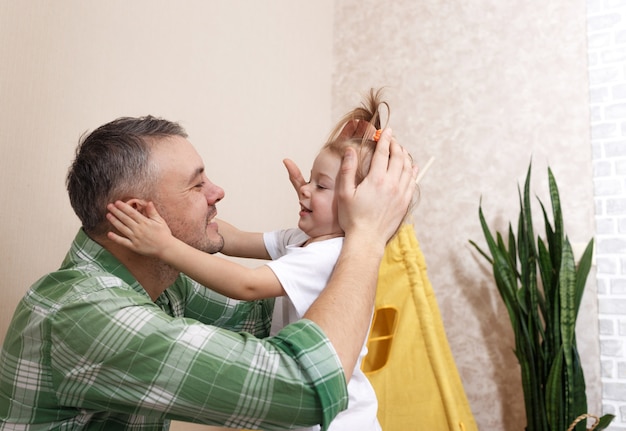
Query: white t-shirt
(304, 273)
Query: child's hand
(144, 235)
(295, 176)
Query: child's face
(318, 204)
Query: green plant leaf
(557, 215)
(545, 302)
(534, 399)
(550, 234)
(549, 270)
(555, 401)
(579, 405)
(512, 247)
(567, 281)
(528, 217)
(480, 250)
(584, 265)
(604, 422)
(507, 285)
(503, 274)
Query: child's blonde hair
(357, 129)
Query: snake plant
(542, 287)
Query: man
(116, 340)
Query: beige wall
(481, 85)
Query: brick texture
(606, 28)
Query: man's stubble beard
(202, 243)
(194, 237)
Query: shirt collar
(87, 254)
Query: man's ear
(138, 204)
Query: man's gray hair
(112, 163)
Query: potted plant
(542, 287)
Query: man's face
(184, 196)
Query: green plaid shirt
(87, 349)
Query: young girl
(303, 258)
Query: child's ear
(138, 205)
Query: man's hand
(379, 204)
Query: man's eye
(200, 185)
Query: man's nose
(214, 193)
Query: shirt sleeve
(115, 350)
(276, 242)
(211, 308)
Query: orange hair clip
(377, 135)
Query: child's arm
(151, 236)
(242, 244)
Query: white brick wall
(607, 75)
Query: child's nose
(305, 190)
